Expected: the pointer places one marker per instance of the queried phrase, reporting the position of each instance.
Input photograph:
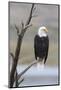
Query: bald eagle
(41, 44)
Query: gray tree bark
(18, 47)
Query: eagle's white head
(42, 31)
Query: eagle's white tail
(40, 66)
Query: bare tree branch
(20, 81)
(18, 47)
(34, 62)
(17, 29)
(30, 16)
(27, 26)
(12, 55)
(34, 9)
(22, 25)
(34, 15)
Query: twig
(12, 55)
(28, 26)
(27, 69)
(34, 15)
(20, 81)
(24, 30)
(22, 25)
(17, 29)
(34, 9)
(30, 16)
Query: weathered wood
(27, 68)
(18, 47)
(30, 16)
(15, 61)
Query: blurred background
(46, 15)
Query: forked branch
(18, 47)
(26, 69)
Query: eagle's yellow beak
(45, 30)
